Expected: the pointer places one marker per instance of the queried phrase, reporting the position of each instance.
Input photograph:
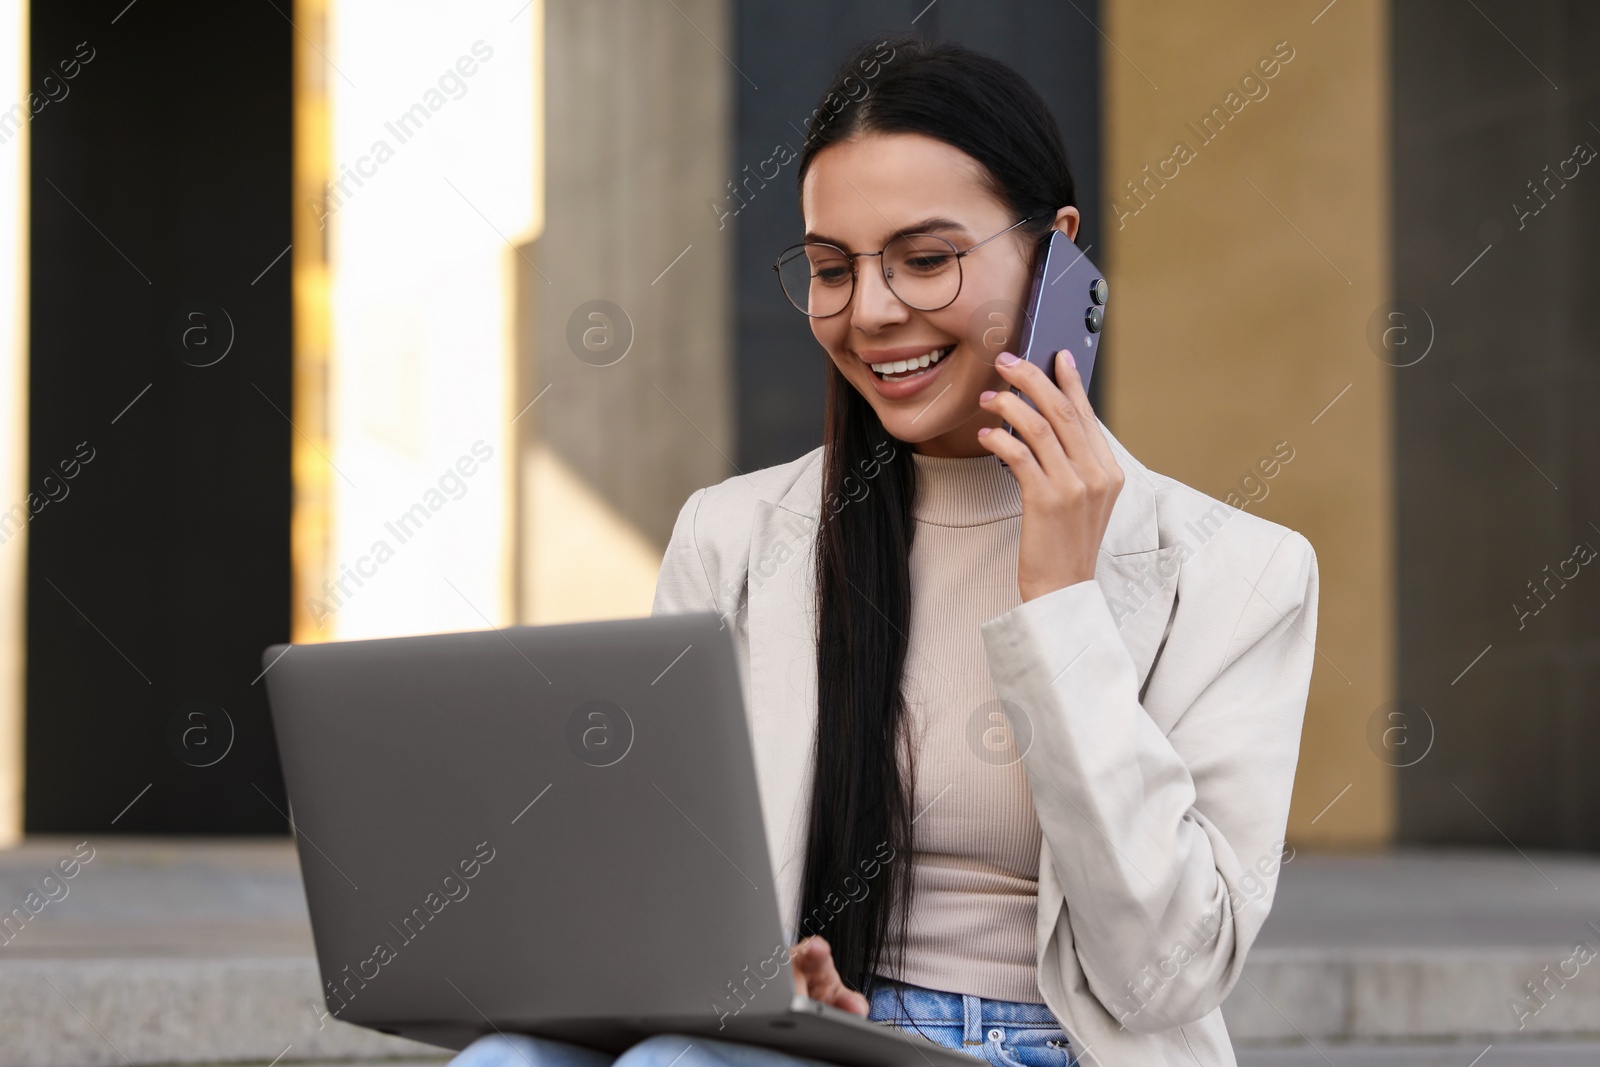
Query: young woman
(1025, 731)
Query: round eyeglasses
(922, 269)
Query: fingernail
(1005, 359)
(986, 394)
(984, 429)
(1070, 360)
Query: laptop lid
(531, 826)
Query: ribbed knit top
(976, 837)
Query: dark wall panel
(160, 363)
(1497, 447)
(788, 53)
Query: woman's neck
(964, 490)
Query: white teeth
(900, 366)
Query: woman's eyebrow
(938, 222)
(928, 225)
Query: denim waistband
(901, 1001)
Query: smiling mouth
(906, 369)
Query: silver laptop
(550, 830)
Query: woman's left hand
(816, 976)
(1067, 473)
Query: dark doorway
(159, 438)
(1497, 449)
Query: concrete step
(166, 951)
(1410, 994)
(89, 1013)
(1495, 1054)
(1425, 946)
(185, 951)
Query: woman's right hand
(816, 977)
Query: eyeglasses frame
(853, 256)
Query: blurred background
(326, 319)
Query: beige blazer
(1165, 701)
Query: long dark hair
(856, 886)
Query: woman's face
(861, 192)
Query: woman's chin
(945, 438)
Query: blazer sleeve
(684, 584)
(1160, 841)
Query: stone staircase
(168, 951)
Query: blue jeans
(1005, 1033)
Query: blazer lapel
(782, 702)
(1137, 574)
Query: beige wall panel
(1242, 286)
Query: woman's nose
(874, 304)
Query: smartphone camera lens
(1099, 290)
(1094, 318)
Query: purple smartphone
(1067, 309)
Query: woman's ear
(1067, 220)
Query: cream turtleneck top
(976, 838)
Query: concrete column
(626, 340)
